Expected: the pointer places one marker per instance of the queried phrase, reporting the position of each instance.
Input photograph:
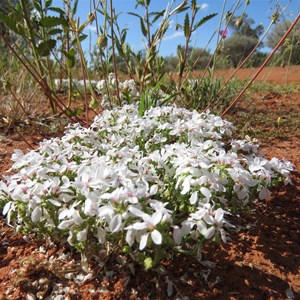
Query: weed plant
(47, 41)
(147, 177)
(143, 185)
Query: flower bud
(102, 41)
(239, 22)
(91, 17)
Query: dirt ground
(260, 261)
(277, 75)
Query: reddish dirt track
(277, 75)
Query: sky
(260, 11)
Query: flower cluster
(166, 179)
(105, 88)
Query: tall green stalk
(113, 51)
(33, 45)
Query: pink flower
(223, 33)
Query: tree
(238, 47)
(243, 25)
(243, 40)
(289, 52)
(171, 62)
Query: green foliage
(198, 93)
(289, 52)
(238, 47)
(243, 40)
(243, 25)
(256, 60)
(197, 57)
(47, 41)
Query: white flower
(263, 192)
(82, 235)
(129, 175)
(208, 222)
(147, 227)
(257, 164)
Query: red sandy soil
(277, 75)
(260, 261)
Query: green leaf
(178, 26)
(139, 2)
(74, 9)
(123, 35)
(158, 15)
(142, 107)
(76, 112)
(82, 37)
(56, 9)
(70, 62)
(51, 21)
(143, 28)
(166, 100)
(186, 25)
(148, 263)
(204, 20)
(180, 8)
(45, 47)
(48, 3)
(120, 48)
(134, 14)
(70, 58)
(54, 31)
(71, 53)
(194, 4)
(9, 22)
(37, 6)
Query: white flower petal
(156, 237)
(65, 224)
(6, 208)
(36, 214)
(186, 185)
(156, 217)
(143, 241)
(206, 192)
(219, 214)
(129, 237)
(116, 223)
(82, 235)
(206, 232)
(264, 193)
(177, 235)
(153, 190)
(101, 233)
(76, 217)
(139, 226)
(194, 197)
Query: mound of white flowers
(146, 185)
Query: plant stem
(113, 51)
(32, 43)
(69, 72)
(262, 66)
(218, 38)
(41, 81)
(241, 65)
(218, 44)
